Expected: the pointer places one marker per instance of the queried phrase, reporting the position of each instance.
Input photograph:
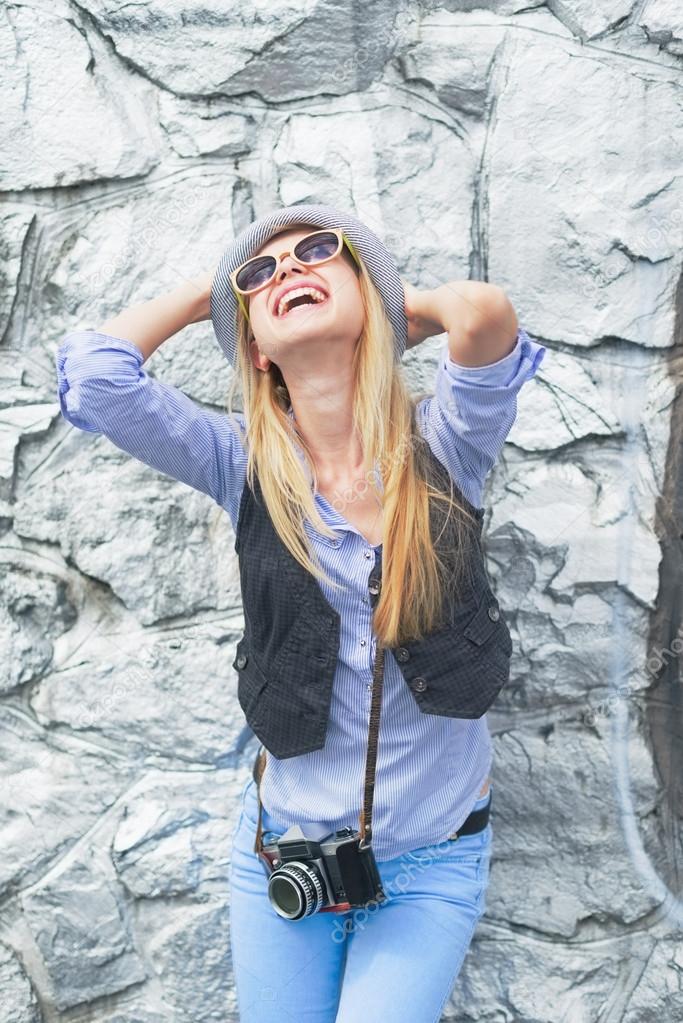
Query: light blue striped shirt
(430, 768)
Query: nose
(287, 263)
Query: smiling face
(314, 324)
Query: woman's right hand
(422, 322)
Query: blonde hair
(413, 574)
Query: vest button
(242, 660)
(494, 613)
(419, 684)
(373, 587)
(402, 654)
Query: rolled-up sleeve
(102, 389)
(472, 410)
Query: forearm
(479, 318)
(149, 324)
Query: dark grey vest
(287, 657)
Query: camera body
(311, 869)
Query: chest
(361, 510)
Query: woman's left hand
(421, 315)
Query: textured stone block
(536, 145)
(80, 923)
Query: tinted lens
(320, 245)
(255, 273)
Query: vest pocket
(250, 679)
(487, 621)
(459, 670)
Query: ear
(260, 361)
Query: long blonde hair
(413, 574)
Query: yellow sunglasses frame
(278, 259)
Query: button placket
(372, 649)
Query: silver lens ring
(302, 880)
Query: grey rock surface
(20, 1004)
(536, 145)
(46, 94)
(662, 21)
(79, 907)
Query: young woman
(340, 454)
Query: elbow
(492, 334)
(495, 335)
(73, 413)
(501, 318)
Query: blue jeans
(397, 960)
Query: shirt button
(362, 642)
(364, 600)
(494, 613)
(419, 684)
(367, 553)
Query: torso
(364, 513)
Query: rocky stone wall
(535, 145)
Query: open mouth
(300, 298)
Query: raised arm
(149, 324)
(467, 420)
(103, 389)
(487, 360)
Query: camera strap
(370, 762)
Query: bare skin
(314, 349)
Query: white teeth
(316, 294)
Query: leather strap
(371, 758)
(476, 821)
(370, 763)
(259, 768)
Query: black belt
(476, 821)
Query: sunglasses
(313, 249)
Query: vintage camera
(313, 870)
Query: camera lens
(296, 890)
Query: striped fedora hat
(380, 265)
